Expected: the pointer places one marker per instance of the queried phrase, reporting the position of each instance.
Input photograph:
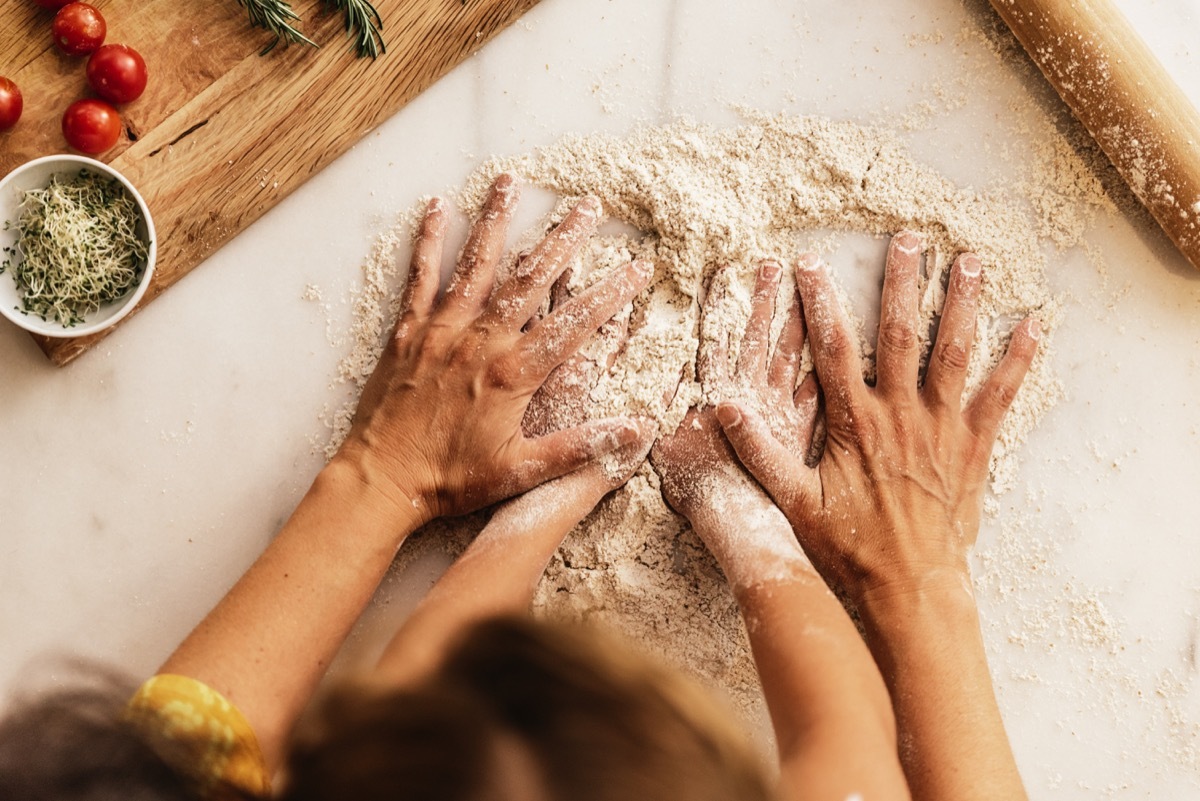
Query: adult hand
(564, 400)
(439, 423)
(895, 498)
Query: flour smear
(700, 197)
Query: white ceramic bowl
(32, 175)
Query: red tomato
(11, 103)
(53, 5)
(117, 73)
(78, 29)
(91, 126)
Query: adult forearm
(929, 647)
(268, 642)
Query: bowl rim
(69, 160)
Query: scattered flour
(702, 197)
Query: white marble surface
(137, 483)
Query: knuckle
(1002, 395)
(898, 335)
(508, 372)
(835, 342)
(953, 355)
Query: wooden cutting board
(217, 117)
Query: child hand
(701, 476)
(894, 501)
(439, 424)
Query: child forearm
(500, 570)
(828, 704)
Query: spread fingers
(471, 283)
(947, 372)
(517, 299)
(756, 343)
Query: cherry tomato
(11, 103)
(117, 73)
(91, 126)
(78, 29)
(53, 5)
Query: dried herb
(77, 247)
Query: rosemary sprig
(363, 23)
(277, 17)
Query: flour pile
(701, 197)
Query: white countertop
(139, 482)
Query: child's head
(518, 710)
(527, 711)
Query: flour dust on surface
(692, 198)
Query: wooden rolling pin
(1117, 88)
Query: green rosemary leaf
(363, 23)
(277, 17)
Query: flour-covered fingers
(516, 300)
(756, 342)
(897, 351)
(424, 271)
(566, 328)
(785, 364)
(834, 351)
(471, 284)
(712, 362)
(781, 473)
(947, 372)
(994, 398)
(561, 452)
(612, 337)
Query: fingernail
(907, 242)
(729, 415)
(969, 265)
(643, 269)
(770, 270)
(435, 205)
(605, 440)
(505, 190)
(1034, 329)
(808, 262)
(590, 206)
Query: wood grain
(222, 134)
(1125, 98)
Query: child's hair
(71, 745)
(528, 711)
(518, 711)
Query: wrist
(352, 480)
(935, 601)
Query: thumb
(780, 472)
(620, 466)
(564, 451)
